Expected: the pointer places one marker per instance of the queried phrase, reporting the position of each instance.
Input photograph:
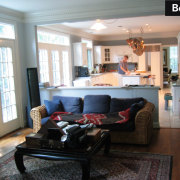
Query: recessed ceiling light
(124, 29)
(147, 24)
(127, 31)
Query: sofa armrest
(37, 114)
(143, 117)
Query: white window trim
(49, 48)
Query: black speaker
(33, 85)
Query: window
(7, 31)
(43, 65)
(55, 68)
(7, 87)
(173, 59)
(54, 59)
(89, 46)
(50, 38)
(88, 42)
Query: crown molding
(67, 30)
(89, 13)
(10, 14)
(145, 36)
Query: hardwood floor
(10, 141)
(164, 141)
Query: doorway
(9, 106)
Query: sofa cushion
(96, 104)
(70, 104)
(44, 120)
(135, 108)
(52, 106)
(121, 104)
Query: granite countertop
(103, 87)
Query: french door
(9, 108)
(54, 64)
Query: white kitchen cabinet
(113, 54)
(80, 54)
(107, 54)
(102, 54)
(118, 52)
(98, 55)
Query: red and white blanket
(97, 119)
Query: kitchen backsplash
(114, 67)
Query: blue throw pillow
(135, 108)
(121, 104)
(70, 104)
(52, 106)
(96, 104)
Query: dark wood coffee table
(83, 156)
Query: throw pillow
(135, 108)
(70, 104)
(96, 104)
(121, 104)
(52, 106)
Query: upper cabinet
(119, 51)
(98, 55)
(80, 54)
(113, 54)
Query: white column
(178, 37)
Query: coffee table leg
(19, 162)
(107, 145)
(85, 170)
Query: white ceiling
(156, 25)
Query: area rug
(116, 166)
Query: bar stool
(167, 97)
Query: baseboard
(156, 125)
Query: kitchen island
(112, 79)
(147, 92)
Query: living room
(27, 19)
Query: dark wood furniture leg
(85, 169)
(19, 162)
(107, 145)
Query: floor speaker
(33, 85)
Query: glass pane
(55, 66)
(46, 37)
(13, 100)
(14, 112)
(174, 59)
(7, 31)
(7, 85)
(43, 63)
(11, 83)
(4, 112)
(3, 100)
(3, 54)
(5, 69)
(10, 69)
(65, 63)
(9, 113)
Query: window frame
(176, 57)
(83, 40)
(60, 49)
